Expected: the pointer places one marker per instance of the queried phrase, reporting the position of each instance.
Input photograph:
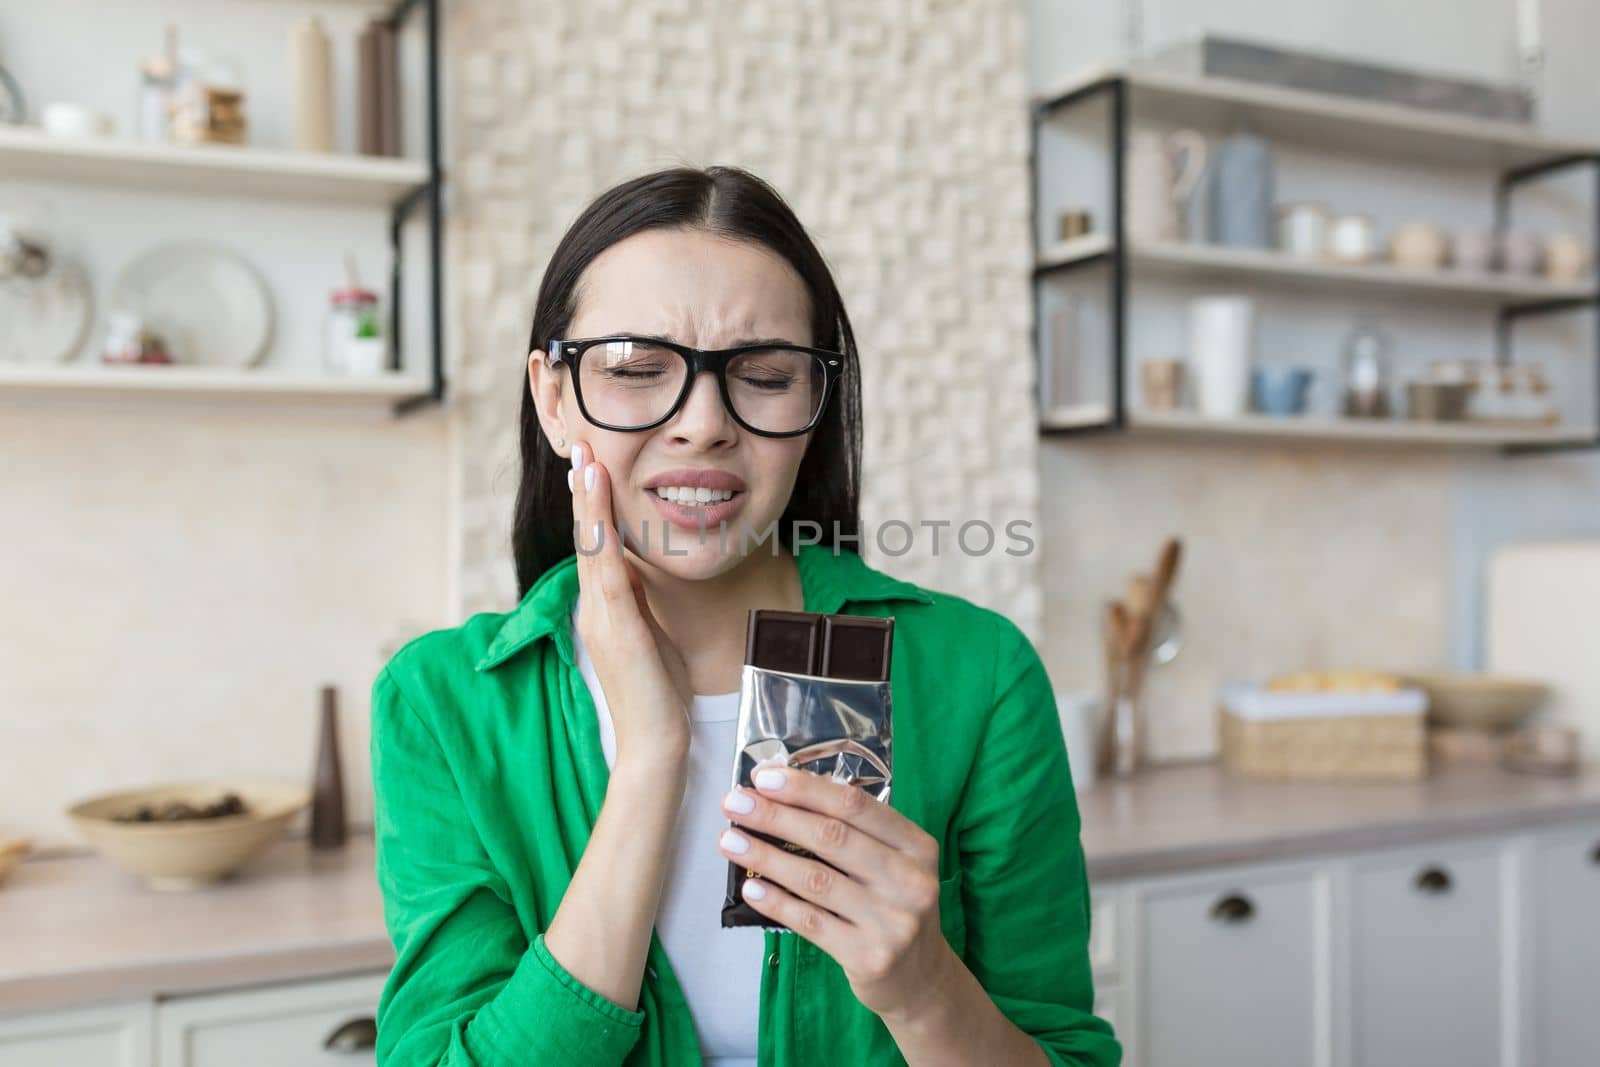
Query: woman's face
(705, 291)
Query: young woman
(553, 814)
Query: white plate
(44, 318)
(208, 304)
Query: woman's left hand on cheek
(877, 915)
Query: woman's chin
(688, 556)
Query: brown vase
(327, 790)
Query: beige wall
(1294, 558)
(179, 581)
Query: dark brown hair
(731, 203)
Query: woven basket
(1330, 748)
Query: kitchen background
(191, 559)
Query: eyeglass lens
(634, 384)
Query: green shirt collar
(830, 579)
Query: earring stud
(561, 442)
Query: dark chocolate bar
(843, 647)
(784, 640)
(856, 648)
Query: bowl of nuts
(187, 835)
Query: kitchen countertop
(1183, 818)
(77, 929)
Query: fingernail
(569, 481)
(735, 842)
(754, 890)
(742, 803)
(769, 779)
(588, 477)
(578, 458)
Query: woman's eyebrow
(760, 341)
(740, 343)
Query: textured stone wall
(896, 128)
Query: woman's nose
(703, 419)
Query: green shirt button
(772, 960)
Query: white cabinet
(269, 1027)
(1563, 1005)
(1232, 969)
(1428, 976)
(114, 1035)
(272, 1026)
(1467, 951)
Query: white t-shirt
(719, 968)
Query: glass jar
(352, 340)
(1367, 373)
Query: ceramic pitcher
(1163, 170)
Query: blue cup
(1280, 390)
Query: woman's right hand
(641, 671)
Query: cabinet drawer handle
(1434, 880)
(353, 1035)
(1233, 908)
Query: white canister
(1303, 230)
(1221, 349)
(1080, 721)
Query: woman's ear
(547, 386)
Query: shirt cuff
(545, 1007)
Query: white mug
(1221, 349)
(1080, 721)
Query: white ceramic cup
(1221, 348)
(1080, 721)
(1352, 239)
(1303, 230)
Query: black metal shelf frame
(1116, 87)
(431, 195)
(1508, 184)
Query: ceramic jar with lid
(1367, 372)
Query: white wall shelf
(1333, 122)
(213, 169)
(1200, 262)
(205, 382)
(1371, 431)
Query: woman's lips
(697, 516)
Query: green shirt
(489, 777)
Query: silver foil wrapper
(837, 728)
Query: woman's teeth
(683, 494)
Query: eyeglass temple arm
(552, 355)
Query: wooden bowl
(12, 849)
(189, 853)
(1480, 701)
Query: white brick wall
(897, 130)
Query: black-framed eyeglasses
(631, 383)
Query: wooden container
(1324, 736)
